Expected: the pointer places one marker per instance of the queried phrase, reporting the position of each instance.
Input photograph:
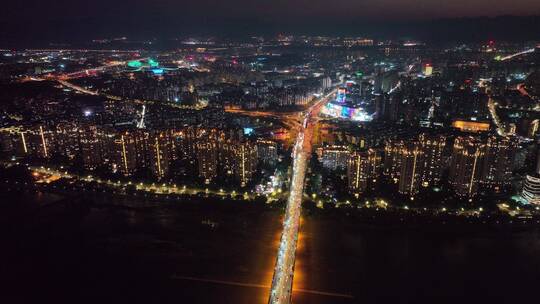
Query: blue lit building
(344, 107)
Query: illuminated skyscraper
(531, 185)
(415, 162)
(67, 141)
(45, 137)
(125, 153)
(386, 82)
(207, 157)
(159, 154)
(267, 151)
(432, 160)
(14, 142)
(392, 158)
(362, 170)
(427, 69)
(412, 158)
(533, 128)
(497, 166)
(341, 96)
(91, 147)
(245, 162)
(465, 169)
(37, 141)
(531, 189)
(335, 157)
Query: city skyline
(270, 152)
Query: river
(224, 252)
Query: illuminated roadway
(528, 51)
(492, 106)
(96, 70)
(47, 175)
(281, 289)
(77, 88)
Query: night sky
(64, 18)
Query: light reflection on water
(334, 255)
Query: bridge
(282, 281)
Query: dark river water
(219, 252)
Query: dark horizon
(36, 24)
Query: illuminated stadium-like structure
(342, 108)
(149, 65)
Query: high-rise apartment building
(362, 170)
(465, 169)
